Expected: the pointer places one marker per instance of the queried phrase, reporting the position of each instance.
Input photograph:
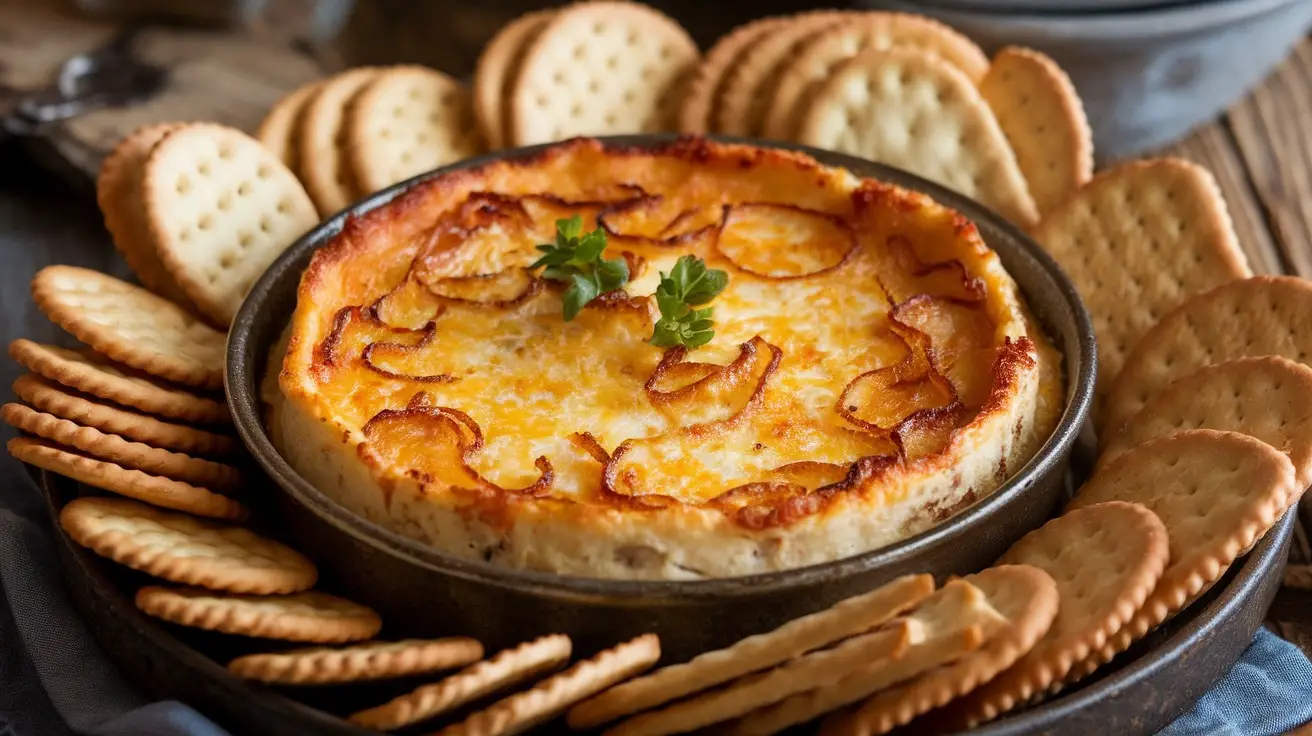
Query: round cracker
(310, 616)
(697, 110)
(91, 374)
(406, 121)
(53, 399)
(278, 130)
(1138, 240)
(1269, 398)
(598, 68)
(320, 152)
(221, 208)
(114, 449)
(1263, 315)
(497, 66)
(131, 325)
(905, 108)
(374, 660)
(185, 549)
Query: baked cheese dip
(690, 361)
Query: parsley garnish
(576, 259)
(689, 284)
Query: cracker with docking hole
(953, 622)
(815, 669)
(371, 660)
(54, 399)
(597, 68)
(310, 616)
(745, 97)
(1138, 240)
(551, 697)
(221, 207)
(185, 549)
(817, 59)
(496, 67)
(697, 110)
(405, 121)
(1216, 492)
(91, 374)
(118, 193)
(1263, 315)
(153, 489)
(1043, 118)
(854, 615)
(1106, 559)
(114, 449)
(278, 131)
(320, 153)
(1269, 398)
(905, 108)
(128, 324)
(509, 667)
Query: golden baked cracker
(817, 59)
(597, 68)
(550, 698)
(1043, 118)
(405, 121)
(1106, 559)
(496, 67)
(696, 112)
(131, 325)
(1216, 492)
(118, 193)
(309, 616)
(372, 660)
(905, 108)
(54, 399)
(1138, 240)
(125, 453)
(153, 489)
(185, 549)
(845, 618)
(278, 130)
(321, 163)
(1269, 398)
(507, 668)
(92, 374)
(1264, 315)
(221, 207)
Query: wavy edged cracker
(321, 163)
(817, 59)
(221, 207)
(496, 67)
(1106, 560)
(309, 616)
(278, 131)
(845, 618)
(551, 697)
(130, 455)
(1138, 240)
(91, 374)
(1043, 118)
(1216, 492)
(131, 325)
(54, 399)
(906, 108)
(697, 110)
(118, 193)
(1269, 398)
(405, 121)
(374, 660)
(598, 68)
(1264, 315)
(507, 668)
(185, 549)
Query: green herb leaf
(690, 283)
(575, 258)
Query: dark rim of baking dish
(246, 362)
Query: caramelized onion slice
(780, 241)
(701, 393)
(881, 399)
(962, 336)
(405, 358)
(907, 276)
(486, 234)
(410, 304)
(657, 220)
(507, 288)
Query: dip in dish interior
(874, 368)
